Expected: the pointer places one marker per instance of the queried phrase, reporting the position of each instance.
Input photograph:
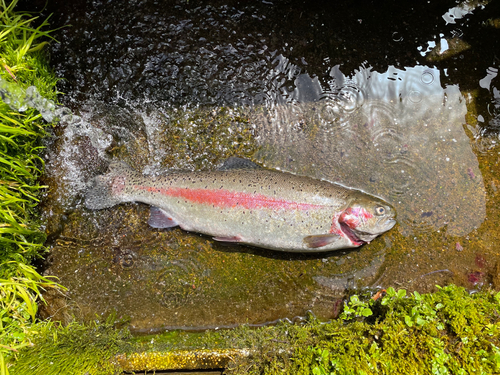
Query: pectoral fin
(160, 219)
(320, 240)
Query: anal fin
(160, 219)
(228, 239)
(320, 240)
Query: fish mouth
(390, 223)
(358, 238)
(355, 240)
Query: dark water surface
(398, 99)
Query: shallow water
(407, 110)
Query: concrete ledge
(179, 360)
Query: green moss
(22, 64)
(449, 331)
(74, 349)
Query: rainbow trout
(244, 203)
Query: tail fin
(106, 189)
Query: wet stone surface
(287, 86)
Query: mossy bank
(23, 63)
(451, 331)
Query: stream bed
(406, 109)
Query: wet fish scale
(260, 207)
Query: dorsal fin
(235, 162)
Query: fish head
(366, 218)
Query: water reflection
(461, 10)
(397, 134)
(345, 281)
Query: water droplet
(350, 98)
(397, 37)
(427, 78)
(415, 96)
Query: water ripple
(401, 137)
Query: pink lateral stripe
(226, 198)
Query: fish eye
(379, 210)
